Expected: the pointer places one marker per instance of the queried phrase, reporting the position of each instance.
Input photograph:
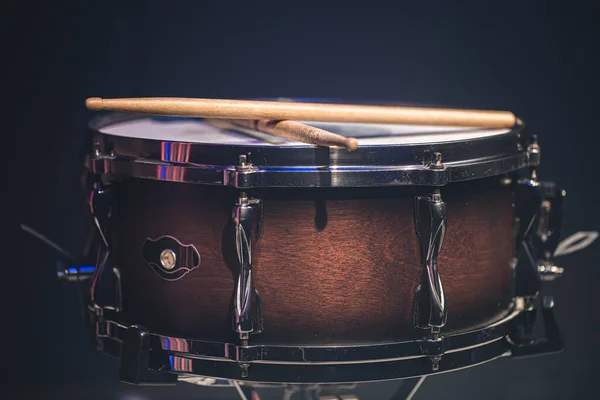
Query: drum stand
(406, 391)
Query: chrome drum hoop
(319, 364)
(306, 166)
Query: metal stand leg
(245, 392)
(408, 389)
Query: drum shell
(333, 265)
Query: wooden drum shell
(333, 265)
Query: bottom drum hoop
(317, 364)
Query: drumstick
(275, 110)
(226, 124)
(292, 131)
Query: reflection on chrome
(175, 152)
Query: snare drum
(235, 255)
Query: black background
(538, 59)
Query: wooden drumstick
(275, 110)
(226, 124)
(292, 131)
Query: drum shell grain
(333, 266)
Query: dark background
(538, 59)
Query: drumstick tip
(94, 103)
(352, 144)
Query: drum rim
(456, 351)
(301, 166)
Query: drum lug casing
(245, 211)
(102, 211)
(430, 305)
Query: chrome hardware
(533, 151)
(430, 225)
(105, 288)
(243, 215)
(76, 273)
(168, 259)
(312, 176)
(538, 208)
(435, 362)
(307, 166)
(549, 272)
(99, 152)
(437, 161)
(135, 360)
(161, 255)
(244, 370)
(101, 209)
(430, 304)
(526, 345)
(305, 364)
(336, 354)
(243, 164)
(527, 202)
(101, 206)
(506, 180)
(550, 221)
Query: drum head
(387, 154)
(199, 131)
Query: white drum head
(191, 130)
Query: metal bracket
(538, 209)
(135, 360)
(538, 212)
(551, 341)
(101, 208)
(106, 298)
(430, 304)
(75, 273)
(533, 151)
(549, 229)
(430, 226)
(169, 258)
(243, 215)
(100, 203)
